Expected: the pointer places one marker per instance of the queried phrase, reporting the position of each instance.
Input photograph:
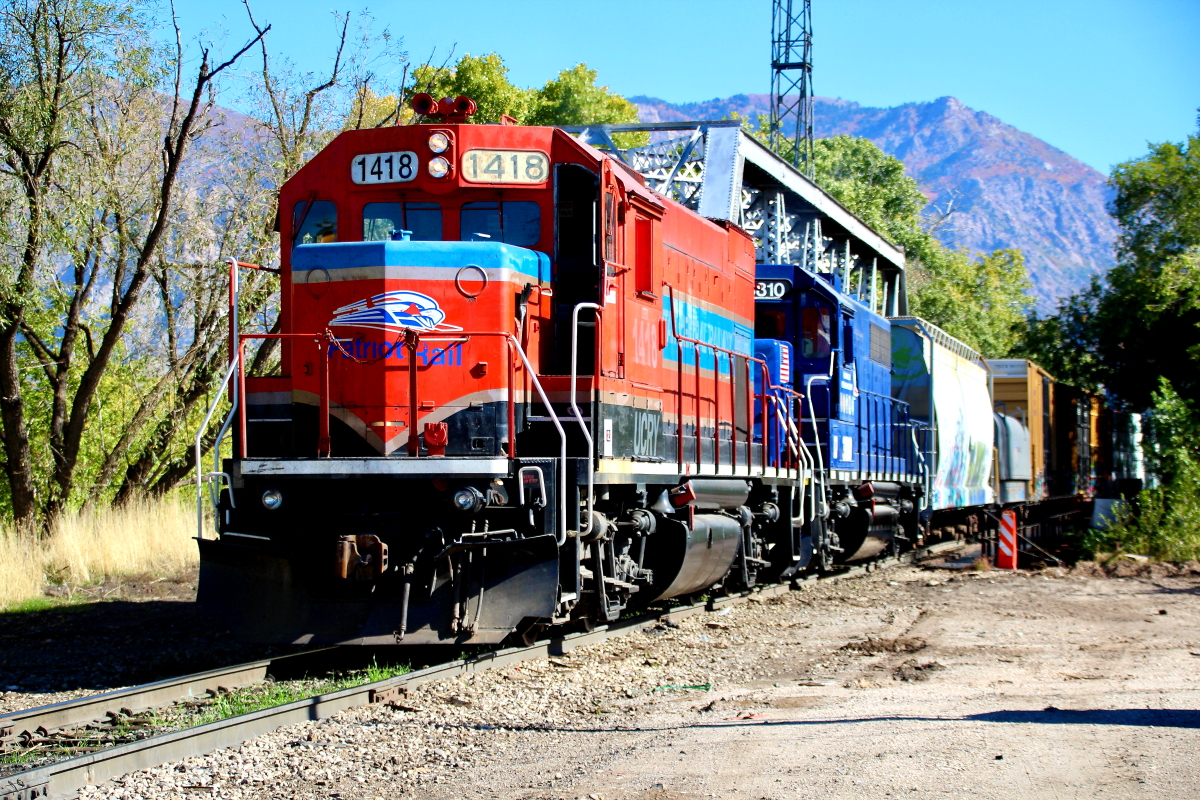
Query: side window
(384, 221)
(516, 222)
(815, 332)
(314, 222)
(643, 256)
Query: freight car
(519, 387)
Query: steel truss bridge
(718, 170)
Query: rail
(66, 777)
(800, 452)
(24, 725)
(201, 476)
(887, 438)
(514, 352)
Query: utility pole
(791, 80)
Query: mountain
(1008, 188)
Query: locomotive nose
(415, 324)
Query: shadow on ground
(106, 644)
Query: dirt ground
(907, 682)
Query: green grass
(43, 604)
(23, 756)
(272, 694)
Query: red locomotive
(518, 389)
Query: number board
(772, 290)
(397, 167)
(505, 166)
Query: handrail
(795, 445)
(236, 392)
(809, 466)
(562, 436)
(586, 526)
(514, 345)
(812, 415)
(762, 397)
(199, 456)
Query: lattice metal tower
(791, 80)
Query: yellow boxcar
(1024, 390)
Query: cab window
(314, 222)
(770, 323)
(815, 331)
(384, 221)
(510, 221)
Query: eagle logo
(393, 311)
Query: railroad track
(64, 778)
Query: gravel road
(902, 683)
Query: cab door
(613, 273)
(644, 327)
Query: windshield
(510, 221)
(384, 221)
(314, 222)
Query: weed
(271, 693)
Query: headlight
(272, 499)
(469, 500)
(438, 142)
(439, 167)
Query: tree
(573, 98)
(484, 79)
(96, 163)
(875, 188)
(1141, 322)
(231, 212)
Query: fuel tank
(686, 560)
(867, 531)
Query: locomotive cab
(865, 440)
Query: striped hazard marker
(1006, 552)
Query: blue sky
(1097, 79)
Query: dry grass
(22, 576)
(92, 545)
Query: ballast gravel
(900, 683)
